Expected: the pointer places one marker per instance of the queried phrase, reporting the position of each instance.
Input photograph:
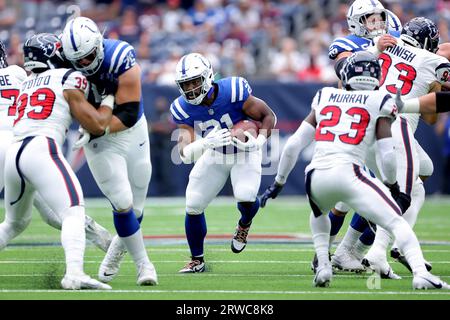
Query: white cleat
(346, 261)
(111, 262)
(428, 281)
(98, 235)
(83, 281)
(323, 276)
(147, 275)
(380, 266)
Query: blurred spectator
(8, 15)
(160, 128)
(15, 52)
(287, 62)
(442, 128)
(317, 68)
(128, 29)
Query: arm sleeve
(386, 153)
(295, 144)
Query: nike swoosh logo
(436, 285)
(141, 144)
(108, 274)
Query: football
(244, 125)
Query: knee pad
(245, 193)
(195, 203)
(426, 165)
(140, 174)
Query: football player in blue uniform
(205, 112)
(120, 159)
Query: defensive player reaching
(48, 100)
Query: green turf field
(275, 265)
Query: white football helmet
(81, 39)
(394, 23)
(194, 69)
(357, 16)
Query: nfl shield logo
(210, 112)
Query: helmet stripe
(183, 66)
(373, 3)
(72, 39)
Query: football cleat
(111, 262)
(346, 261)
(194, 266)
(315, 262)
(82, 281)
(395, 253)
(428, 281)
(382, 268)
(147, 275)
(239, 240)
(323, 276)
(98, 235)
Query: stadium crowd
(286, 39)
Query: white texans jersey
(346, 123)
(11, 78)
(42, 109)
(413, 70)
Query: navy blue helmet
(41, 52)
(421, 33)
(361, 71)
(3, 55)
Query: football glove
(403, 200)
(217, 138)
(252, 143)
(271, 192)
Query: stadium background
(281, 47)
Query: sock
(73, 239)
(320, 228)
(130, 233)
(360, 249)
(359, 223)
(379, 247)
(248, 211)
(349, 240)
(367, 237)
(195, 227)
(336, 223)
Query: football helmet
(42, 52)
(361, 71)
(394, 23)
(3, 55)
(83, 45)
(194, 77)
(421, 33)
(358, 15)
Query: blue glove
(271, 192)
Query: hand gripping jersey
(225, 111)
(119, 58)
(42, 109)
(10, 81)
(351, 43)
(346, 123)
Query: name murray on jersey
(348, 98)
(402, 52)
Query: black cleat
(397, 256)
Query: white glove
(83, 139)
(217, 138)
(252, 143)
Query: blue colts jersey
(225, 111)
(352, 43)
(119, 58)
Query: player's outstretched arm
(94, 121)
(436, 102)
(128, 97)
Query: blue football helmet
(41, 52)
(361, 71)
(421, 33)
